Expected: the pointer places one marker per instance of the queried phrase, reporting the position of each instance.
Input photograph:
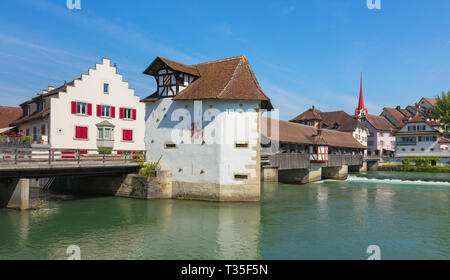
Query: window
(106, 88)
(127, 113)
(170, 146)
(105, 133)
(26, 110)
(81, 108)
(127, 135)
(241, 145)
(81, 132)
(40, 106)
(240, 176)
(43, 130)
(106, 111)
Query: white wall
(90, 90)
(208, 162)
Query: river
(324, 220)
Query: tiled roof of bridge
(8, 115)
(304, 134)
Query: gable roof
(399, 117)
(379, 123)
(174, 65)
(228, 79)
(430, 100)
(34, 116)
(345, 121)
(304, 134)
(416, 119)
(8, 115)
(310, 114)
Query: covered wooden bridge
(296, 153)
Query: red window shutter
(119, 152)
(28, 132)
(77, 132)
(121, 113)
(85, 133)
(113, 112)
(74, 107)
(89, 109)
(434, 138)
(127, 135)
(43, 130)
(99, 110)
(134, 114)
(420, 138)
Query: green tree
(442, 110)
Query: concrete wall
(301, 176)
(90, 90)
(269, 174)
(15, 194)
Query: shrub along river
(407, 217)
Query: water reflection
(326, 220)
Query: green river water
(323, 220)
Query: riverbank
(401, 168)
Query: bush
(148, 169)
(104, 151)
(406, 162)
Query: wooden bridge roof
(304, 134)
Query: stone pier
(336, 173)
(15, 194)
(269, 174)
(301, 176)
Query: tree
(442, 110)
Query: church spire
(361, 111)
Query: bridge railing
(289, 161)
(339, 160)
(42, 155)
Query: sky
(304, 53)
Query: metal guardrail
(42, 155)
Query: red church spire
(361, 110)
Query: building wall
(198, 159)
(90, 90)
(38, 125)
(423, 148)
(379, 140)
(361, 135)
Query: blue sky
(303, 53)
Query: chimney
(398, 108)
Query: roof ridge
(231, 79)
(220, 60)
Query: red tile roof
(304, 134)
(310, 114)
(432, 101)
(230, 78)
(444, 140)
(380, 123)
(8, 115)
(34, 116)
(398, 116)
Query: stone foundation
(15, 194)
(136, 186)
(270, 174)
(336, 173)
(215, 192)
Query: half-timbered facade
(202, 122)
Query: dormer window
(106, 88)
(26, 110)
(40, 106)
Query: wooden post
(104, 156)
(16, 156)
(49, 156)
(78, 156)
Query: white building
(419, 139)
(97, 110)
(203, 122)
